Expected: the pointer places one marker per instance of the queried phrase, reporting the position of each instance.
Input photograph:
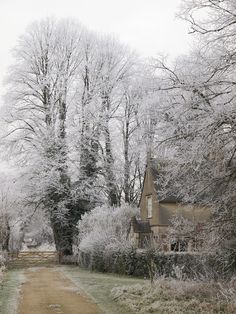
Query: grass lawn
(118, 294)
(9, 291)
(99, 285)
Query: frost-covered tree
(198, 111)
(109, 68)
(73, 99)
(117, 67)
(40, 91)
(130, 125)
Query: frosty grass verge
(10, 291)
(174, 296)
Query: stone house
(157, 213)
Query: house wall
(198, 214)
(161, 230)
(133, 237)
(194, 213)
(148, 189)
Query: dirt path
(48, 291)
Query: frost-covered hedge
(177, 265)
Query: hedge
(137, 262)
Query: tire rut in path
(48, 291)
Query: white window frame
(149, 206)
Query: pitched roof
(168, 190)
(165, 193)
(171, 202)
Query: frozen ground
(48, 290)
(64, 290)
(99, 286)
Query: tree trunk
(113, 196)
(5, 245)
(63, 237)
(110, 178)
(127, 163)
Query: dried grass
(176, 296)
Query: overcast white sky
(149, 26)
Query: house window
(149, 206)
(174, 247)
(179, 246)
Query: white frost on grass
(175, 296)
(98, 287)
(10, 294)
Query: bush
(177, 296)
(105, 230)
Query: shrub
(103, 235)
(177, 296)
(131, 261)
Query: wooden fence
(33, 258)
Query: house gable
(164, 208)
(149, 192)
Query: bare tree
(198, 94)
(41, 86)
(68, 111)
